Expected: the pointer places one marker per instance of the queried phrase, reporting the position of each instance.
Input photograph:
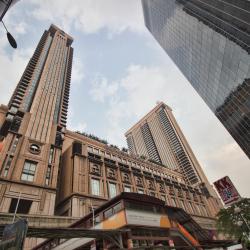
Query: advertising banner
(14, 235)
(227, 190)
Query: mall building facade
(92, 172)
(54, 171)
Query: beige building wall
(172, 147)
(41, 194)
(32, 125)
(107, 165)
(165, 151)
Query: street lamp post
(4, 7)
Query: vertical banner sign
(227, 190)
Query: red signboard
(227, 190)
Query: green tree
(234, 221)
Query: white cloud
(101, 89)
(77, 71)
(145, 86)
(229, 159)
(21, 27)
(90, 16)
(14, 21)
(12, 66)
(12, 61)
(81, 126)
(74, 125)
(142, 86)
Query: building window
(29, 170)
(127, 189)
(171, 190)
(23, 206)
(51, 154)
(198, 209)
(48, 174)
(140, 191)
(16, 123)
(97, 219)
(191, 208)
(182, 204)
(187, 195)
(151, 184)
(204, 211)
(168, 201)
(173, 202)
(179, 193)
(95, 151)
(90, 149)
(161, 187)
(113, 210)
(7, 166)
(65, 213)
(112, 190)
(95, 187)
(14, 145)
(108, 213)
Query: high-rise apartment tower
(32, 128)
(209, 40)
(158, 138)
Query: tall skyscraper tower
(210, 43)
(32, 128)
(158, 137)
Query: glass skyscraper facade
(209, 41)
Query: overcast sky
(119, 73)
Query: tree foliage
(228, 221)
